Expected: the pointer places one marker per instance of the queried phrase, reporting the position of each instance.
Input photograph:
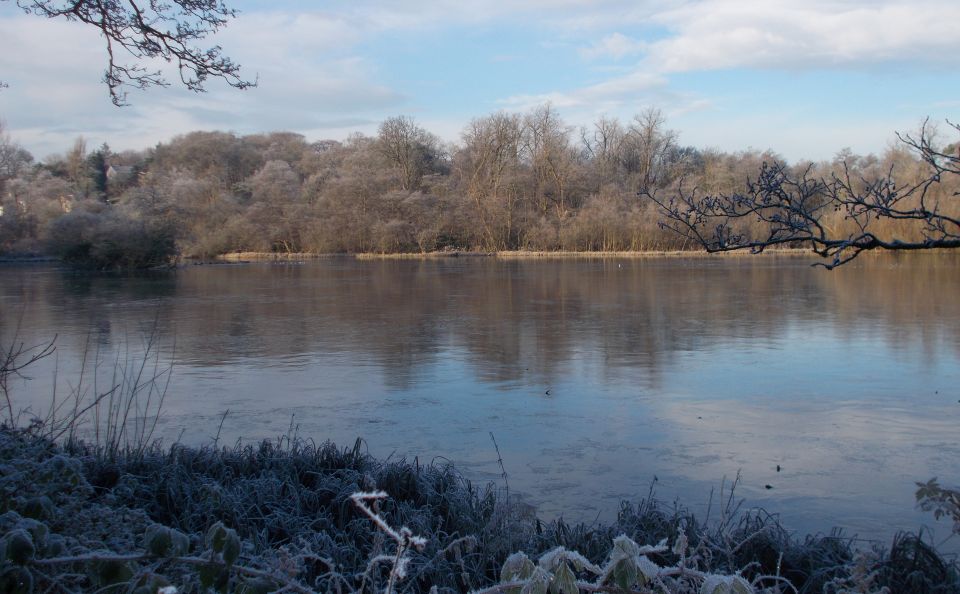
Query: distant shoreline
(506, 255)
(251, 257)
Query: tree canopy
(515, 181)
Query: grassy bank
(92, 519)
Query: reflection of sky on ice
(847, 385)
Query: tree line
(513, 181)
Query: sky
(804, 78)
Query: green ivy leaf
(18, 546)
(55, 546)
(157, 539)
(256, 586)
(211, 576)
(111, 572)
(16, 580)
(231, 547)
(179, 543)
(39, 508)
(38, 530)
(216, 535)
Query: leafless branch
(838, 217)
(14, 360)
(148, 30)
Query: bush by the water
(111, 240)
(279, 516)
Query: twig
(503, 471)
(216, 440)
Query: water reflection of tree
(513, 320)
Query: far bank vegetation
(512, 182)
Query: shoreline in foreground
(86, 517)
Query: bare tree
(552, 158)
(278, 209)
(646, 148)
(13, 157)
(603, 145)
(838, 216)
(148, 30)
(408, 147)
(489, 166)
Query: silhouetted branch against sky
(838, 216)
(136, 32)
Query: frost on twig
(404, 537)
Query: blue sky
(803, 78)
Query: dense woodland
(513, 181)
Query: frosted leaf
(556, 556)
(538, 583)
(564, 582)
(660, 547)
(624, 547)
(623, 573)
(726, 584)
(581, 563)
(715, 584)
(517, 567)
(648, 568)
(552, 558)
(741, 586)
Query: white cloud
(309, 80)
(570, 14)
(815, 34)
(602, 96)
(616, 46)
(690, 37)
(275, 37)
(320, 69)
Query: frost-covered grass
(282, 515)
